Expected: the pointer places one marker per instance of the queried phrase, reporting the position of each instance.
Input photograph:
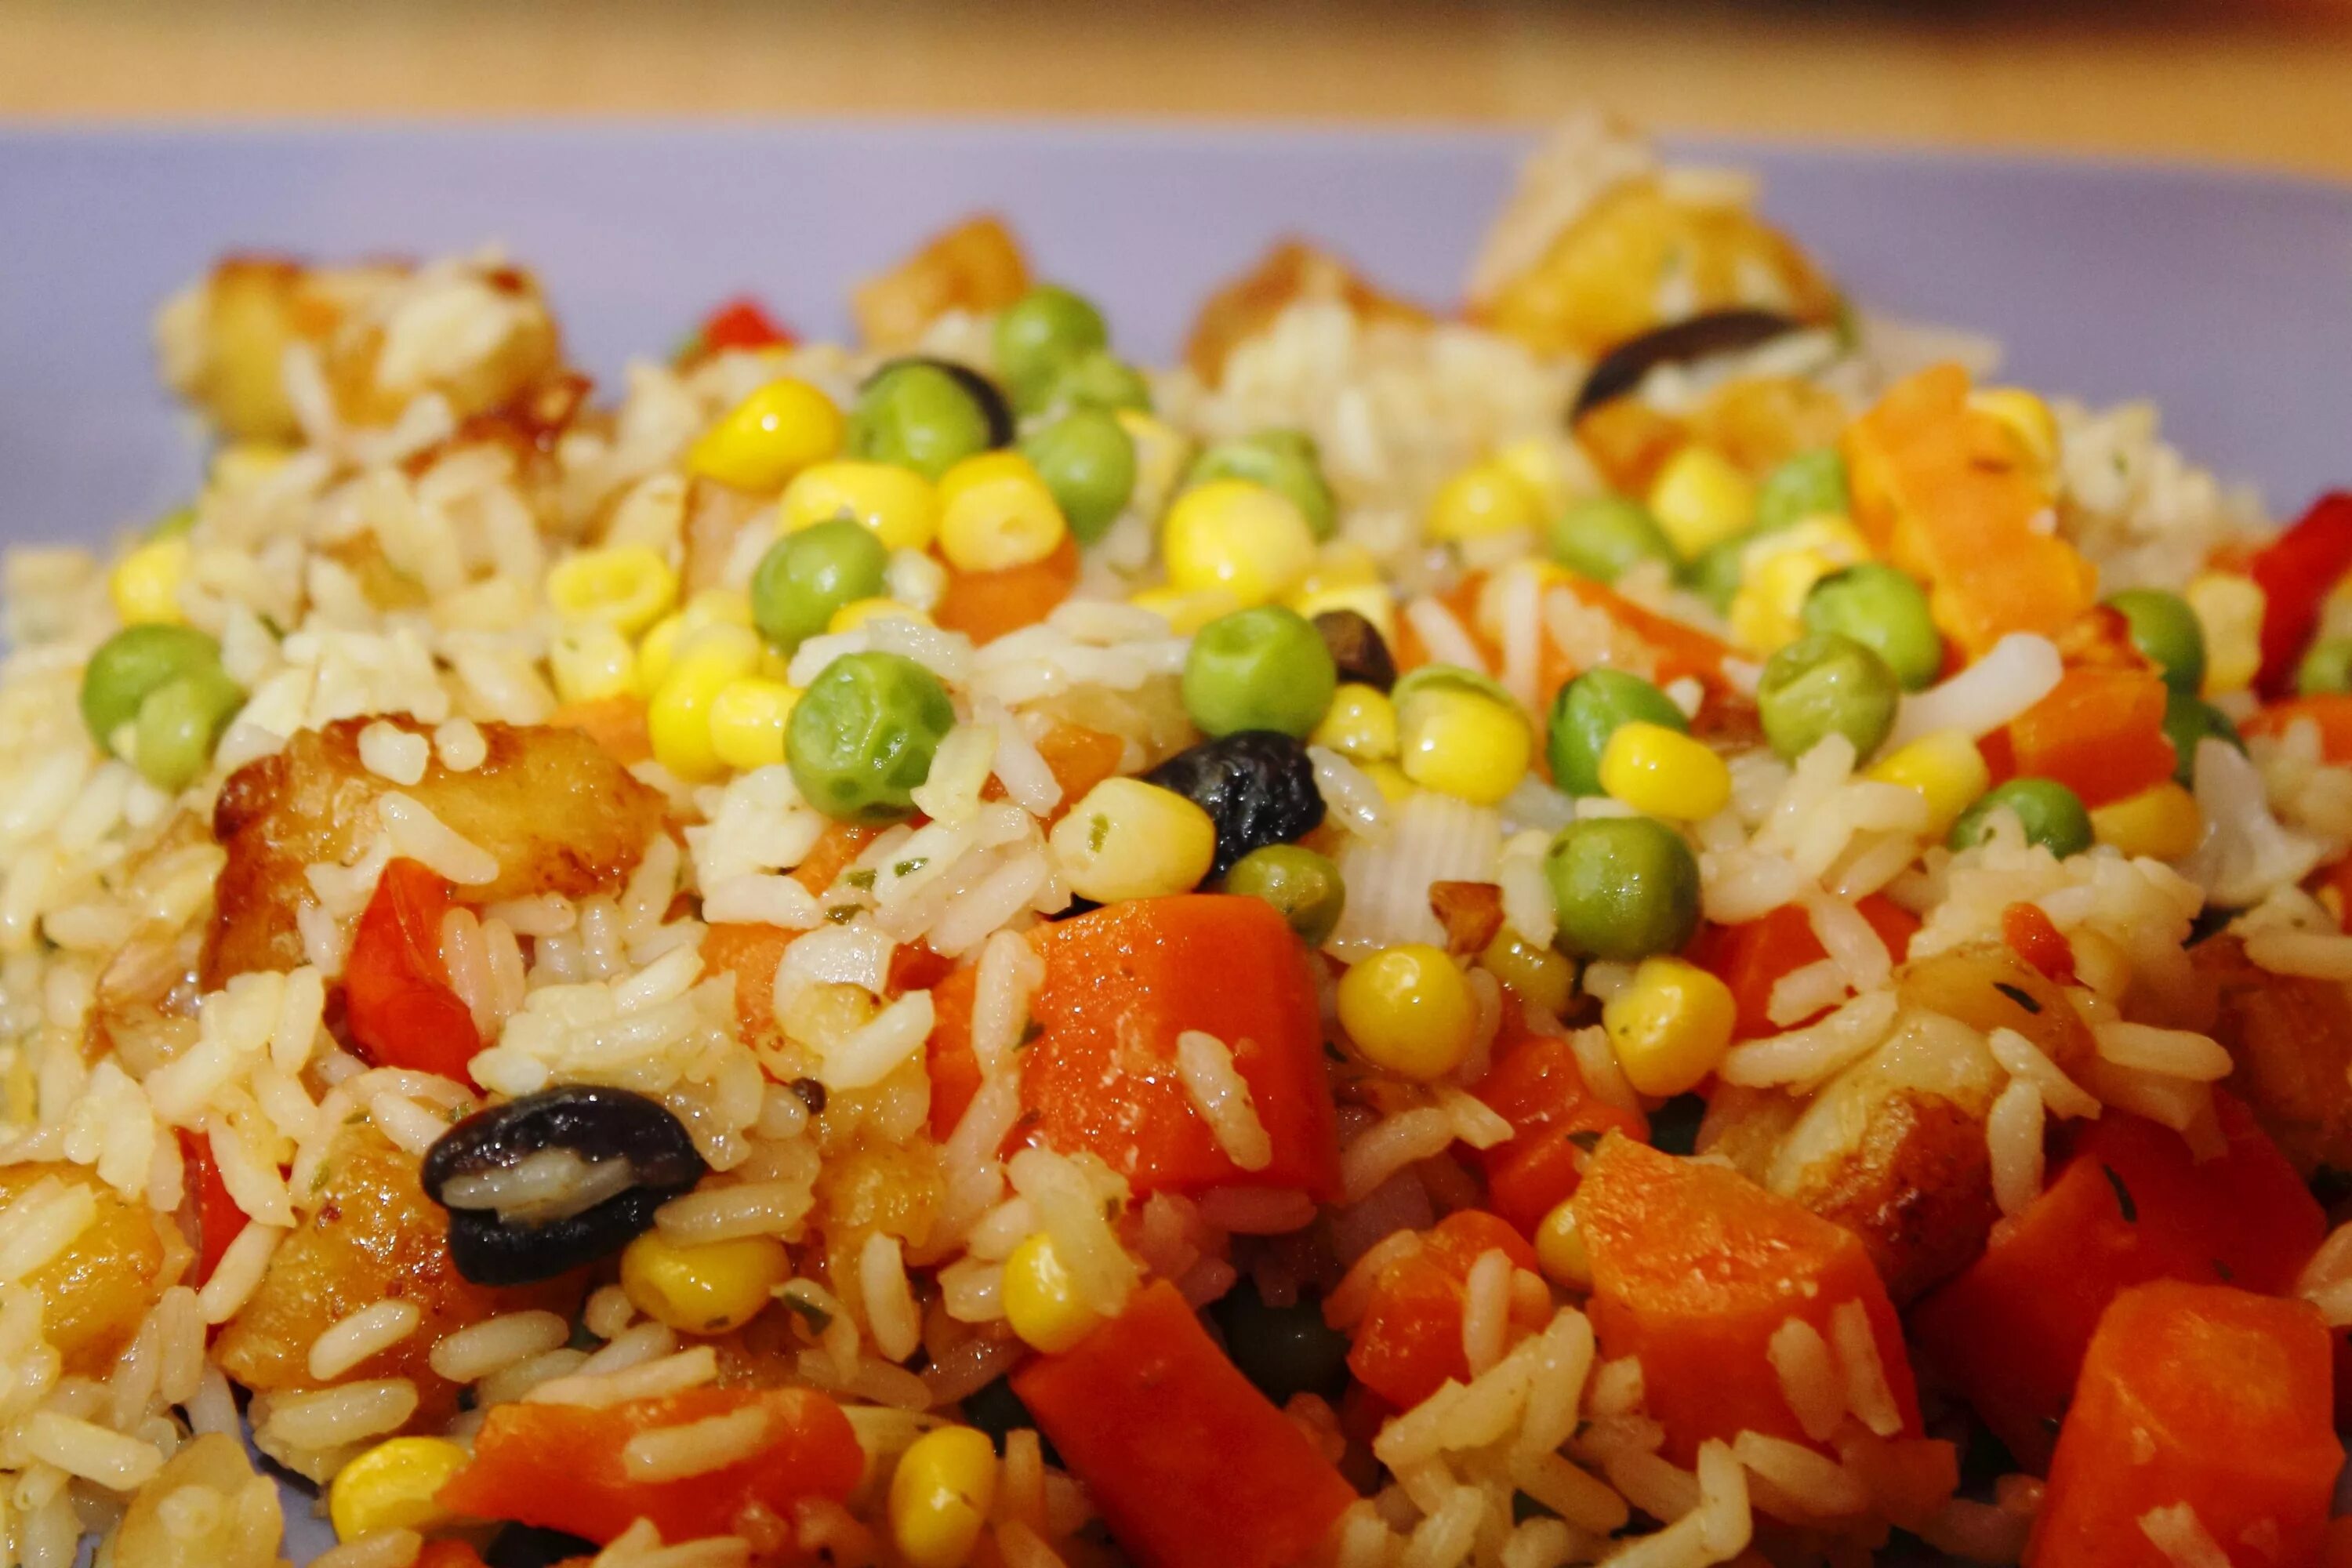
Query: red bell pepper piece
(2295, 573)
(1753, 956)
(1537, 1086)
(741, 324)
(1408, 1339)
(218, 1219)
(1695, 1267)
(2330, 713)
(2130, 1204)
(560, 1466)
(2035, 938)
(397, 1000)
(2100, 732)
(2196, 1395)
(1189, 1464)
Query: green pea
(1283, 461)
(919, 416)
(1822, 685)
(1097, 379)
(2168, 635)
(1811, 484)
(1087, 459)
(1627, 888)
(1040, 333)
(861, 737)
(809, 573)
(1265, 668)
(2051, 815)
(1602, 537)
(1884, 610)
(1285, 1351)
(1304, 886)
(1587, 713)
(1715, 575)
(132, 663)
(2188, 719)
(2325, 670)
(180, 722)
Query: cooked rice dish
(1644, 921)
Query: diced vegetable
(984, 606)
(1408, 1339)
(2330, 713)
(2100, 733)
(1537, 1086)
(2297, 573)
(1753, 956)
(2130, 1206)
(2034, 937)
(954, 1070)
(840, 844)
(750, 952)
(2200, 1398)
(617, 723)
(1190, 1465)
(561, 1467)
(398, 999)
(1695, 1268)
(740, 323)
(218, 1219)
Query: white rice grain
(2174, 1053)
(1405, 1139)
(477, 1350)
(2180, 1535)
(1804, 1057)
(238, 1273)
(416, 833)
(660, 1454)
(355, 1337)
(892, 1315)
(1869, 1394)
(86, 1449)
(329, 1417)
(1221, 1096)
(1810, 1378)
(392, 752)
(2022, 1059)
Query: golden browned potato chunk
(373, 1236)
(1642, 256)
(1292, 271)
(224, 342)
(205, 1509)
(976, 267)
(557, 812)
(2291, 1036)
(96, 1292)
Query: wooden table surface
(2242, 88)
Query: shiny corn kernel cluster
(898, 504)
(1664, 772)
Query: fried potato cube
(95, 1293)
(975, 267)
(1293, 270)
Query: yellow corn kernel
(1240, 537)
(677, 718)
(858, 612)
(1185, 613)
(1462, 743)
(1559, 1249)
(767, 438)
(1041, 1300)
(628, 586)
(1160, 450)
(2161, 822)
(2026, 417)
(1129, 839)
(1670, 1027)
(1946, 767)
(2229, 611)
(1482, 500)
(1701, 497)
(145, 584)
(1408, 1011)
(995, 513)
(1360, 724)
(1777, 571)
(591, 660)
(391, 1487)
(1372, 601)
(1390, 780)
(706, 1288)
(941, 1495)
(747, 721)
(1543, 467)
(1340, 564)
(898, 504)
(1539, 975)
(710, 607)
(1664, 772)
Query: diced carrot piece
(2201, 1397)
(1080, 758)
(1753, 956)
(840, 844)
(750, 952)
(984, 606)
(1949, 495)
(218, 1219)
(1537, 1086)
(2131, 1205)
(397, 995)
(915, 967)
(1628, 442)
(1121, 983)
(2100, 732)
(617, 725)
(561, 1467)
(2035, 938)
(1683, 650)
(1408, 1339)
(2330, 713)
(1695, 1267)
(1190, 1465)
(954, 1070)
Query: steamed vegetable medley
(1645, 919)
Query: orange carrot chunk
(2203, 1397)
(2131, 1205)
(2100, 732)
(560, 1466)
(984, 606)
(1537, 1086)
(1695, 1267)
(1408, 1339)
(1189, 1464)
(1752, 957)
(2330, 713)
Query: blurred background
(2263, 84)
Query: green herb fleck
(841, 914)
(2123, 1195)
(1029, 1033)
(1588, 1139)
(816, 1316)
(2019, 995)
(1097, 829)
(909, 867)
(2227, 1275)
(861, 879)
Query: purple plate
(2226, 298)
